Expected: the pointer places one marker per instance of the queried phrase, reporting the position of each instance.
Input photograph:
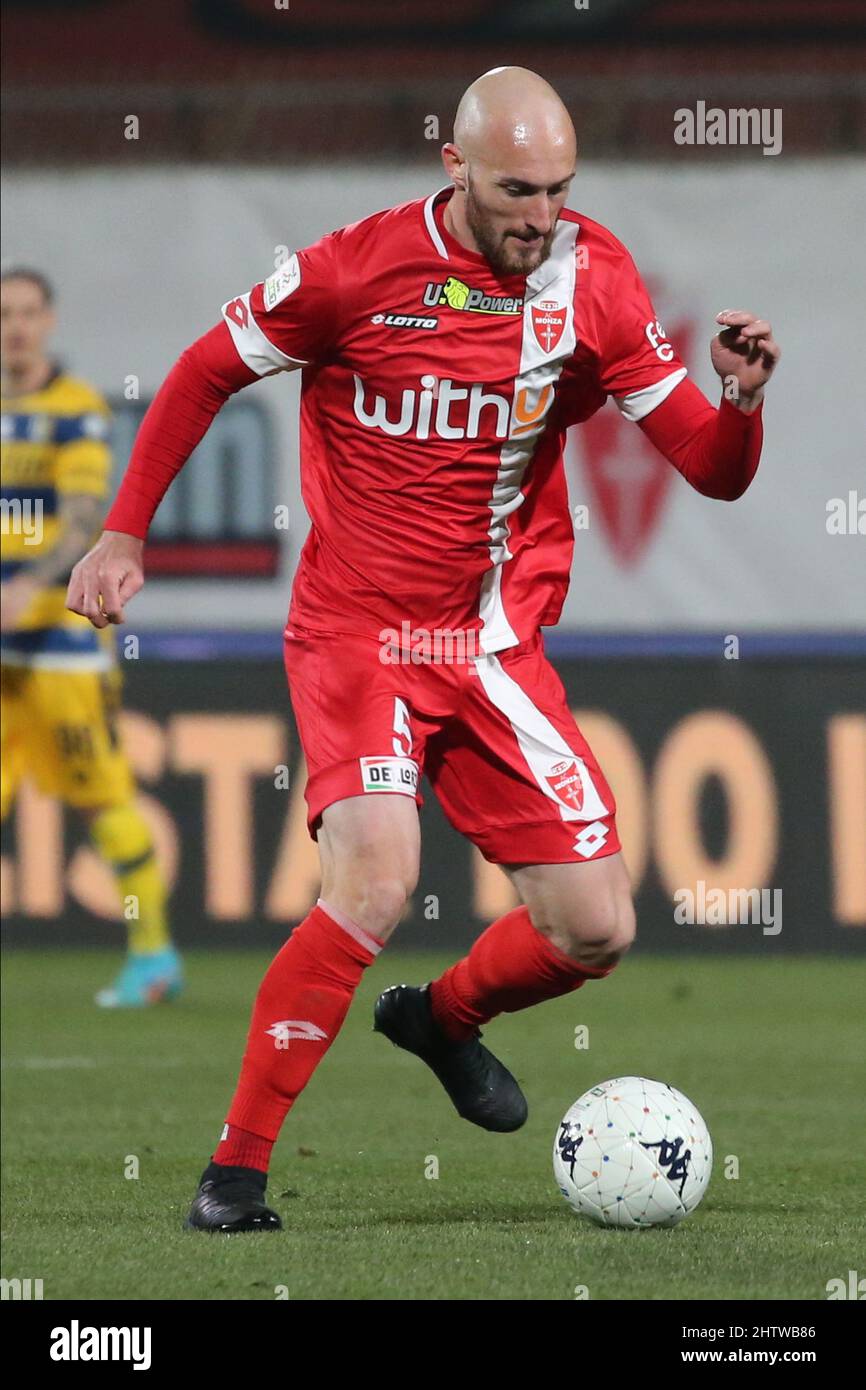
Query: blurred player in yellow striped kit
(60, 679)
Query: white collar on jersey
(430, 221)
(538, 279)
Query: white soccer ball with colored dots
(633, 1153)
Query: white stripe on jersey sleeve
(637, 404)
(253, 347)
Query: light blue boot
(146, 978)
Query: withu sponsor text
(449, 411)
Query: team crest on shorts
(565, 781)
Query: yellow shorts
(60, 728)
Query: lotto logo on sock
(295, 1028)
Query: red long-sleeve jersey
(435, 400)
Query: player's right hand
(106, 578)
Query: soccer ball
(633, 1153)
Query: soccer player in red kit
(446, 345)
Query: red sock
(510, 967)
(298, 1012)
(243, 1149)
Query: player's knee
(623, 928)
(600, 937)
(377, 900)
(606, 938)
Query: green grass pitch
(770, 1051)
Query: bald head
(512, 111)
(511, 162)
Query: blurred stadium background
(160, 158)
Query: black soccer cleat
(231, 1199)
(481, 1088)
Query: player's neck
(454, 217)
(27, 379)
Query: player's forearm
(717, 451)
(179, 416)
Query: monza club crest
(548, 322)
(565, 781)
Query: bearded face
(512, 244)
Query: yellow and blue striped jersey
(52, 441)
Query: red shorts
(493, 734)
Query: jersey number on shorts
(402, 729)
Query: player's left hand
(746, 351)
(15, 596)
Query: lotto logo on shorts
(591, 839)
(389, 775)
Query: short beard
(504, 253)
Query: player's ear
(455, 165)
